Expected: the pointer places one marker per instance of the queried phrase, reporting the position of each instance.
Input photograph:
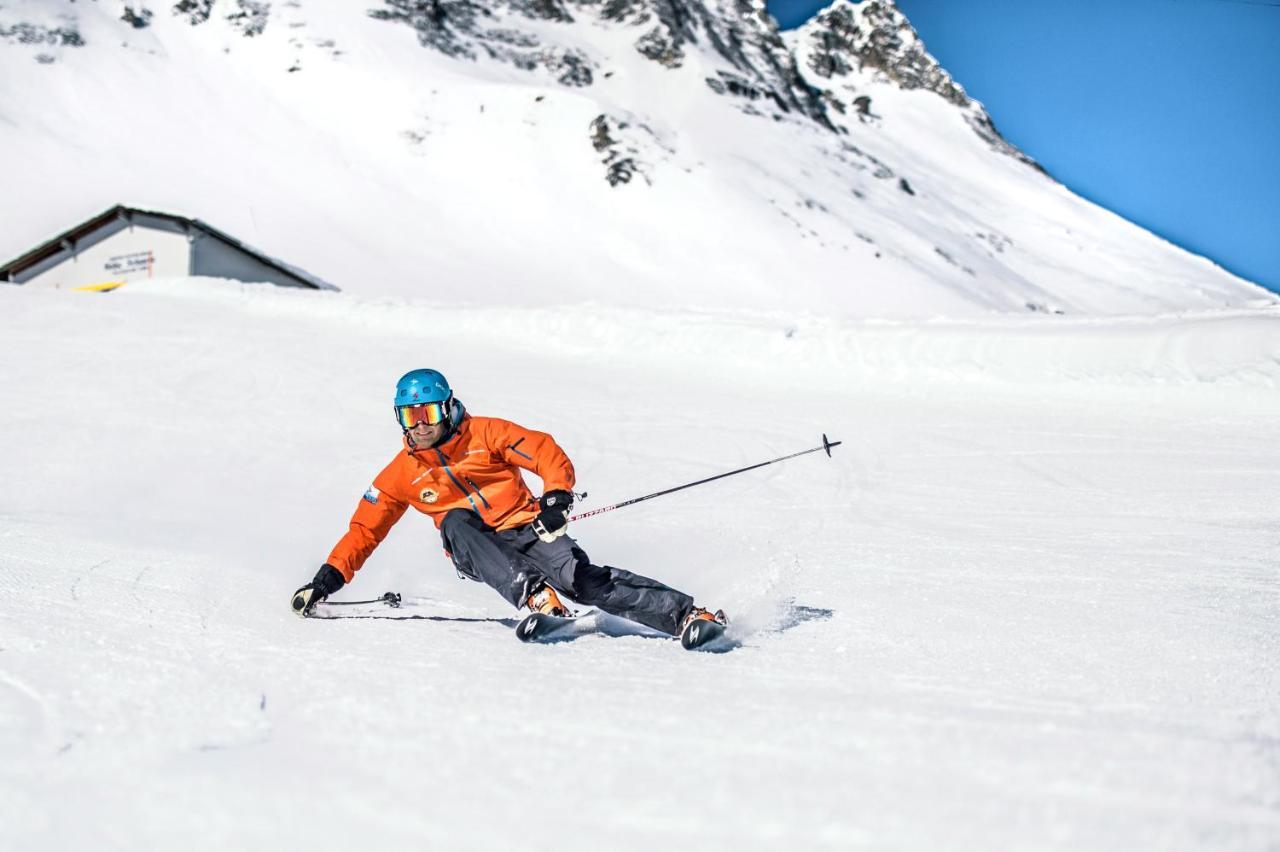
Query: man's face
(417, 420)
(423, 435)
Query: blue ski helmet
(420, 386)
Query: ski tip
(700, 632)
(531, 628)
(540, 627)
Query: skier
(464, 472)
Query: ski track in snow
(1027, 606)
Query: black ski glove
(327, 581)
(553, 521)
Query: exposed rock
(440, 24)
(986, 130)
(138, 20)
(600, 138)
(31, 34)
(846, 40)
(195, 11)
(574, 68)
(733, 84)
(658, 45)
(460, 28)
(621, 158)
(853, 156)
(621, 171)
(874, 37)
(250, 17)
(738, 30)
(547, 10)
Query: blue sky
(1165, 111)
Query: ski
(700, 632)
(540, 627)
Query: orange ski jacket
(476, 469)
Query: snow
(1030, 603)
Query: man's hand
(327, 581)
(553, 521)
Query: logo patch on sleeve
(371, 496)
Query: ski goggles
(431, 413)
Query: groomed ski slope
(1031, 603)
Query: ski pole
(826, 445)
(391, 599)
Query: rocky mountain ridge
(808, 73)
(845, 43)
(546, 151)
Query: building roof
(68, 240)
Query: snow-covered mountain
(664, 153)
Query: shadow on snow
(505, 622)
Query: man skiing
(464, 472)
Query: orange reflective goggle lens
(430, 413)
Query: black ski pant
(515, 561)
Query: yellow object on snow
(99, 288)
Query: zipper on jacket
(445, 465)
(478, 494)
